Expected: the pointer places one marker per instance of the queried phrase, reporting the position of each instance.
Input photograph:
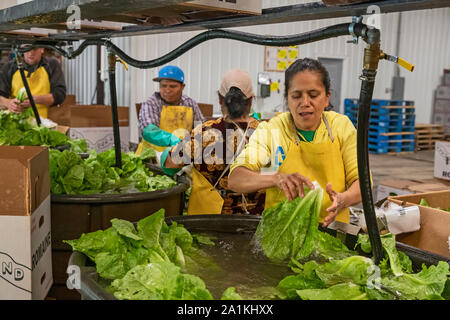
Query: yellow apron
(39, 83)
(204, 198)
(321, 162)
(174, 119)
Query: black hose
(321, 34)
(30, 96)
(115, 116)
(365, 100)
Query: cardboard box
(443, 92)
(82, 116)
(171, 14)
(442, 119)
(63, 129)
(434, 230)
(388, 188)
(101, 138)
(442, 160)
(342, 2)
(238, 6)
(93, 123)
(442, 106)
(398, 187)
(25, 223)
(446, 77)
(206, 109)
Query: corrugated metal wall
(81, 81)
(80, 74)
(424, 42)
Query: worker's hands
(14, 105)
(292, 184)
(26, 103)
(338, 203)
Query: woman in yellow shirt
(303, 145)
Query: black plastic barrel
(90, 289)
(73, 215)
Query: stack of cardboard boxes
(441, 108)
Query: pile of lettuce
(70, 174)
(149, 262)
(17, 130)
(289, 233)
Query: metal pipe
(19, 61)
(371, 58)
(321, 34)
(115, 117)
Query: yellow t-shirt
(272, 140)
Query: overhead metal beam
(42, 13)
(293, 13)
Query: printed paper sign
(279, 58)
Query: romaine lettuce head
(159, 281)
(289, 229)
(22, 94)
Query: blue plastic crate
(383, 103)
(394, 117)
(381, 106)
(381, 128)
(392, 147)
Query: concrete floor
(414, 165)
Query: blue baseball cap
(171, 73)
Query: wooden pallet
(447, 136)
(427, 134)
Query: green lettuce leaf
(289, 285)
(428, 283)
(78, 145)
(343, 291)
(230, 294)
(125, 228)
(149, 229)
(399, 262)
(355, 269)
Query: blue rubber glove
(163, 158)
(256, 116)
(159, 137)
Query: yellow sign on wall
(274, 86)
